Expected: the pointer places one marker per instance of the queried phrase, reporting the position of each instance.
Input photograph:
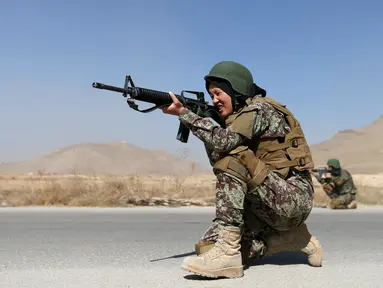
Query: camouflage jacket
(342, 184)
(267, 123)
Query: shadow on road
(281, 259)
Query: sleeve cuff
(184, 111)
(186, 115)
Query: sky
(322, 59)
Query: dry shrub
(74, 191)
(104, 190)
(99, 191)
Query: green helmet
(236, 74)
(333, 163)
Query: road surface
(143, 247)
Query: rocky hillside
(119, 158)
(360, 150)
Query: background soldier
(338, 184)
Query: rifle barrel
(146, 95)
(108, 87)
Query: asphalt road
(143, 247)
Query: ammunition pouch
(279, 154)
(242, 163)
(298, 161)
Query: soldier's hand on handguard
(175, 108)
(327, 175)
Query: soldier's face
(221, 100)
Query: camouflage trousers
(341, 201)
(275, 205)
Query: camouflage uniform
(264, 191)
(277, 204)
(341, 190)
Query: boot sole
(232, 272)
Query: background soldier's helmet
(333, 163)
(239, 77)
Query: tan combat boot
(222, 260)
(204, 246)
(336, 204)
(297, 239)
(353, 205)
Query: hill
(359, 150)
(118, 158)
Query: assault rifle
(163, 99)
(321, 171)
